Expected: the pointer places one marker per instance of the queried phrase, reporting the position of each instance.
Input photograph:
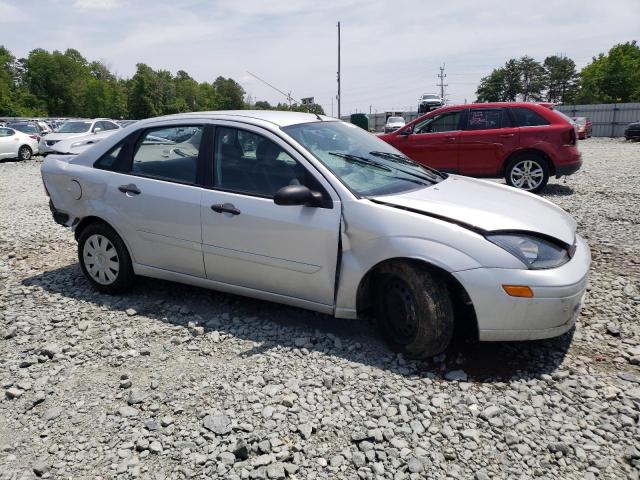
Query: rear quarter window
(525, 117)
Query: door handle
(506, 135)
(450, 139)
(131, 188)
(226, 208)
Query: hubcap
(24, 154)
(400, 311)
(101, 259)
(527, 174)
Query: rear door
(251, 242)
(156, 200)
(8, 143)
(434, 142)
(487, 138)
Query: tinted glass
(446, 122)
(484, 119)
(109, 126)
(166, 159)
(24, 127)
(74, 127)
(5, 132)
(108, 160)
(528, 118)
(250, 163)
(363, 162)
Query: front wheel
(104, 259)
(24, 153)
(528, 172)
(413, 310)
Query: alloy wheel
(25, 153)
(101, 259)
(527, 174)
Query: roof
(277, 117)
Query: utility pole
(338, 97)
(442, 76)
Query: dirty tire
(119, 254)
(24, 153)
(413, 309)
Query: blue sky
(391, 51)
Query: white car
(100, 128)
(15, 144)
(313, 212)
(393, 124)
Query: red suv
(524, 142)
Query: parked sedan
(393, 124)
(313, 212)
(632, 132)
(584, 125)
(74, 129)
(15, 144)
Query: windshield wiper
(361, 160)
(407, 161)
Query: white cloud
(10, 13)
(96, 4)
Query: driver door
(248, 240)
(434, 142)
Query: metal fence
(608, 119)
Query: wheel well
(466, 322)
(552, 167)
(85, 222)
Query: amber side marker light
(518, 291)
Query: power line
(442, 76)
(287, 95)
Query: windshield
(74, 127)
(395, 120)
(363, 162)
(24, 127)
(430, 97)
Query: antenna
(287, 95)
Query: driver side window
(446, 122)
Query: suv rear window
(528, 118)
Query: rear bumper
(553, 310)
(60, 218)
(629, 134)
(572, 163)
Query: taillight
(569, 137)
(35, 137)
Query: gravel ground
(172, 381)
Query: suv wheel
(528, 172)
(413, 310)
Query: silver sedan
(316, 213)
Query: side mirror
(297, 195)
(97, 130)
(405, 132)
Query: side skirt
(161, 274)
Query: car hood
(396, 124)
(487, 206)
(64, 136)
(80, 142)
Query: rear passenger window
(250, 163)
(528, 118)
(169, 154)
(485, 119)
(108, 160)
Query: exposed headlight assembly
(534, 252)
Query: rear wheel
(24, 153)
(104, 259)
(528, 172)
(413, 310)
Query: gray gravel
(172, 381)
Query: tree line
(609, 78)
(65, 84)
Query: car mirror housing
(405, 132)
(97, 130)
(297, 195)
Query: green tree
(491, 88)
(230, 94)
(531, 79)
(144, 98)
(561, 78)
(614, 77)
(262, 105)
